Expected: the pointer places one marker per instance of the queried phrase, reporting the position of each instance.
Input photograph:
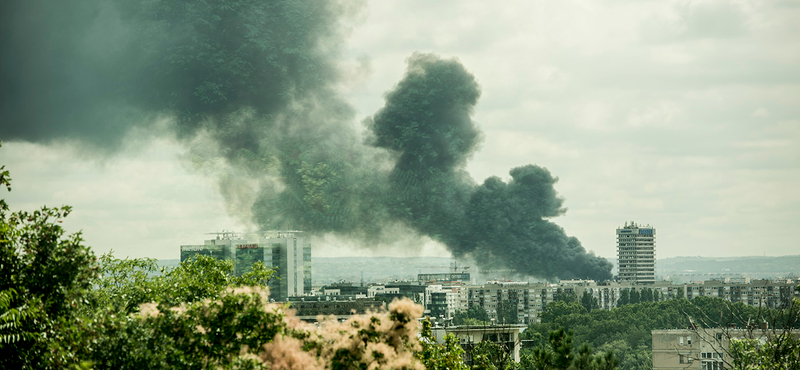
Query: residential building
(636, 253)
(309, 308)
(530, 299)
(507, 336)
(704, 349)
(441, 302)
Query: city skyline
(678, 115)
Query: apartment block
(702, 349)
(636, 253)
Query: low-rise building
(699, 348)
(307, 309)
(507, 336)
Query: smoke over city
(250, 88)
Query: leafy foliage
(780, 352)
(626, 330)
(434, 356)
(475, 315)
(13, 319)
(507, 312)
(44, 275)
(560, 353)
(132, 282)
(491, 356)
(589, 302)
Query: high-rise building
(221, 248)
(285, 251)
(636, 253)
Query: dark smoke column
(427, 123)
(508, 223)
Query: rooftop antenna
(281, 233)
(225, 234)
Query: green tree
(507, 312)
(635, 297)
(629, 358)
(566, 295)
(589, 302)
(560, 353)
(125, 284)
(624, 298)
(646, 295)
(45, 273)
(435, 356)
(559, 309)
(780, 352)
(61, 309)
(490, 356)
(775, 347)
(475, 315)
(13, 320)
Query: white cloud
(760, 112)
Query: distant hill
(685, 269)
(327, 270)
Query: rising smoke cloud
(252, 85)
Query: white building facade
(636, 253)
(285, 251)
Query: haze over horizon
(681, 115)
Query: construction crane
(226, 234)
(502, 270)
(453, 266)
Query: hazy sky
(680, 114)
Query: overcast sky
(684, 115)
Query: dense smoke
(252, 85)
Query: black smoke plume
(253, 84)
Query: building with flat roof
(285, 251)
(636, 253)
(445, 277)
(704, 349)
(507, 336)
(309, 308)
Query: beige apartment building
(703, 349)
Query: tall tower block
(636, 253)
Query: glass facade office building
(286, 252)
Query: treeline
(626, 330)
